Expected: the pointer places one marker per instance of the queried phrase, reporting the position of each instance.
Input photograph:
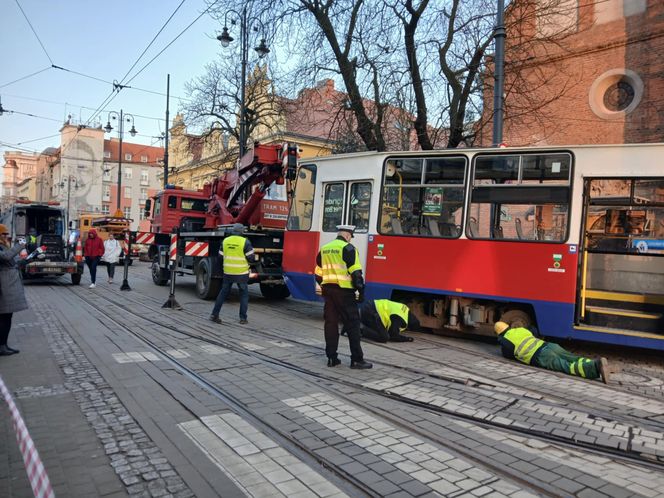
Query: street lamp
(70, 179)
(262, 50)
(121, 120)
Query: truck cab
(42, 226)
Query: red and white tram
(568, 240)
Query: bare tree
(413, 65)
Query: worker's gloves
(360, 296)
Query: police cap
(346, 228)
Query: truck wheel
(274, 291)
(159, 275)
(206, 286)
(76, 278)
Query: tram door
(622, 266)
(347, 203)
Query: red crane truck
(256, 194)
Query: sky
(100, 39)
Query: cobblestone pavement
(251, 410)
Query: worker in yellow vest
(339, 273)
(384, 320)
(520, 344)
(237, 253)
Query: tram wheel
(517, 318)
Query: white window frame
(128, 156)
(127, 192)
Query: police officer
(519, 343)
(238, 254)
(384, 320)
(339, 273)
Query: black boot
(215, 319)
(361, 365)
(15, 351)
(333, 362)
(5, 351)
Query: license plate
(52, 270)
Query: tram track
(283, 438)
(174, 319)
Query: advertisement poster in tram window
(433, 201)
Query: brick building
(601, 83)
(141, 166)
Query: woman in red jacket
(93, 251)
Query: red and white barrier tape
(41, 486)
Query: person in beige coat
(12, 296)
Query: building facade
(140, 169)
(82, 174)
(600, 83)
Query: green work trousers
(553, 357)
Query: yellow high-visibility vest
(525, 343)
(387, 308)
(333, 269)
(235, 262)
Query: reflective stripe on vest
(235, 262)
(387, 308)
(333, 267)
(525, 343)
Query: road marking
(212, 349)
(255, 463)
(135, 357)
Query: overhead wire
(33, 30)
(153, 40)
(172, 41)
(25, 77)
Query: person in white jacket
(112, 250)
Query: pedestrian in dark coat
(93, 251)
(12, 296)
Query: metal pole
(243, 48)
(499, 75)
(168, 87)
(171, 302)
(125, 282)
(119, 209)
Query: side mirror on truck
(146, 209)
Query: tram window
(360, 200)
(649, 191)
(333, 206)
(404, 171)
(425, 211)
(299, 217)
(496, 169)
(172, 201)
(545, 168)
(445, 170)
(528, 222)
(157, 206)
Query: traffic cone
(78, 254)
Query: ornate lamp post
(122, 118)
(262, 50)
